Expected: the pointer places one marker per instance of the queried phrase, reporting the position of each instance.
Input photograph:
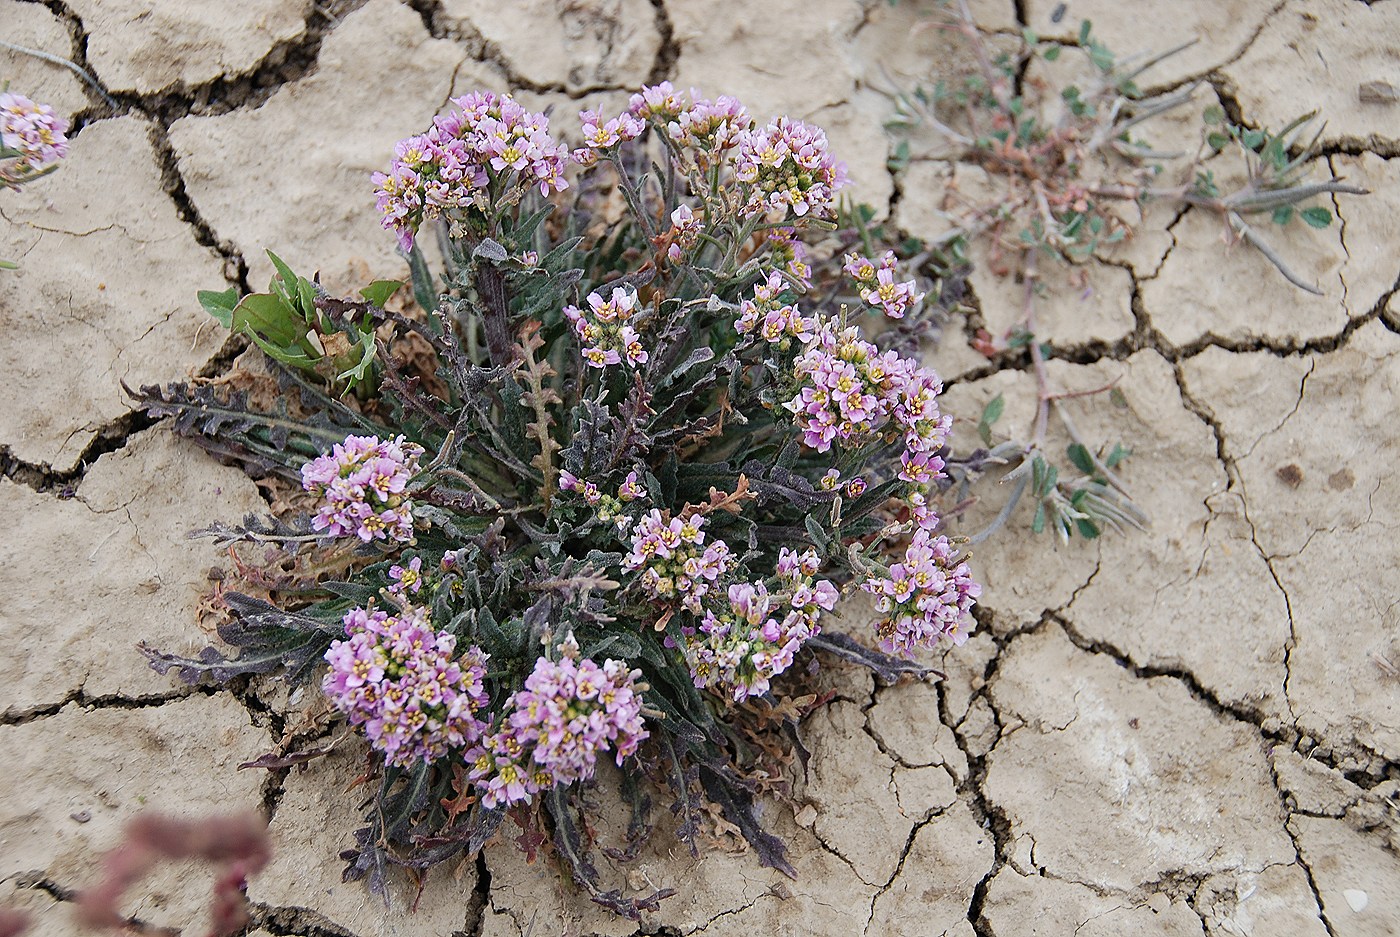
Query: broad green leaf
(268, 316)
(1051, 54)
(1316, 216)
(993, 410)
(378, 292)
(1283, 214)
(220, 304)
(1079, 455)
(1087, 529)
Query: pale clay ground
(1188, 731)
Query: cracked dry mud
(1189, 731)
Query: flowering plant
(603, 491)
(33, 139)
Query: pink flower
(361, 483)
(655, 102)
(454, 162)
(788, 167)
(741, 645)
(553, 730)
(851, 390)
(34, 132)
(407, 579)
(605, 337)
(401, 683)
(672, 561)
(926, 598)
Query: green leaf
(1119, 453)
(1085, 28)
(1216, 140)
(1316, 216)
(1051, 54)
(1213, 115)
(378, 292)
(268, 316)
(361, 370)
(291, 354)
(1087, 529)
(1283, 214)
(1038, 525)
(424, 289)
(1253, 139)
(993, 410)
(306, 300)
(220, 305)
(284, 273)
(1079, 455)
(990, 414)
(819, 536)
(1118, 399)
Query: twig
(1099, 464)
(1245, 231)
(1000, 520)
(45, 56)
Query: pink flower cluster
(787, 250)
(925, 598)
(738, 650)
(674, 560)
(877, 286)
(851, 389)
(603, 330)
(599, 134)
(774, 319)
(658, 103)
(34, 133)
(609, 507)
(554, 728)
(457, 158)
(400, 681)
(362, 483)
(832, 481)
(684, 233)
(789, 166)
(709, 128)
